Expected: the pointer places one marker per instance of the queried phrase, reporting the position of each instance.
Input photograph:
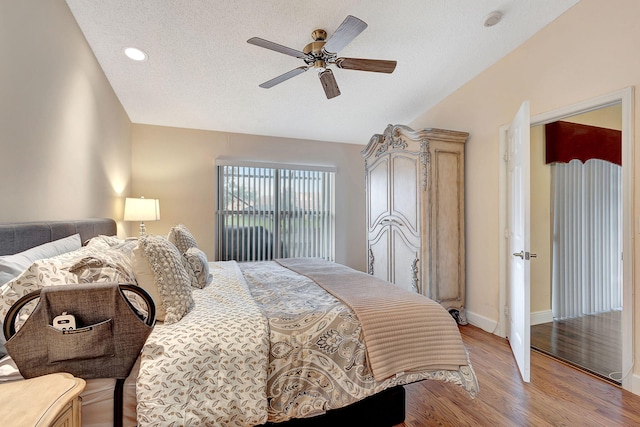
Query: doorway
(625, 98)
(576, 289)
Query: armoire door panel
(404, 252)
(405, 188)
(378, 255)
(378, 191)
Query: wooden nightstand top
(38, 401)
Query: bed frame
(383, 409)
(19, 236)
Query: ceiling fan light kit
(322, 52)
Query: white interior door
(518, 165)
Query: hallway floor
(592, 343)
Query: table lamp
(141, 209)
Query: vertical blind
(269, 212)
(587, 239)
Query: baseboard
(482, 322)
(491, 325)
(635, 384)
(540, 317)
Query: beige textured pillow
(171, 278)
(196, 264)
(182, 238)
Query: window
(274, 212)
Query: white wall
(65, 140)
(587, 52)
(177, 166)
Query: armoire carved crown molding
(396, 137)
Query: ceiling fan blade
(286, 76)
(375, 65)
(329, 84)
(276, 47)
(350, 28)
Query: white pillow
(12, 265)
(170, 277)
(196, 264)
(146, 279)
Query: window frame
(278, 209)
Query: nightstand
(50, 400)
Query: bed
(258, 343)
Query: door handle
(391, 221)
(525, 255)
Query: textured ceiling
(201, 73)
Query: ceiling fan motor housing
(317, 56)
(314, 48)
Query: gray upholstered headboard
(19, 236)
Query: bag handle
(9, 327)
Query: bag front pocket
(82, 343)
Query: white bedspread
(211, 367)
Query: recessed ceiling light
(135, 54)
(493, 18)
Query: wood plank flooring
(558, 395)
(593, 342)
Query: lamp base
(143, 229)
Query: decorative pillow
(196, 264)
(171, 278)
(12, 265)
(182, 238)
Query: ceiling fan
(322, 52)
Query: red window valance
(568, 141)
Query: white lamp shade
(141, 209)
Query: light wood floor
(558, 395)
(593, 342)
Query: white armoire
(415, 212)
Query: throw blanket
(210, 368)
(404, 331)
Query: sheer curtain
(587, 242)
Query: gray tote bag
(105, 341)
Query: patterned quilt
(210, 368)
(317, 359)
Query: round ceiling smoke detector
(492, 19)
